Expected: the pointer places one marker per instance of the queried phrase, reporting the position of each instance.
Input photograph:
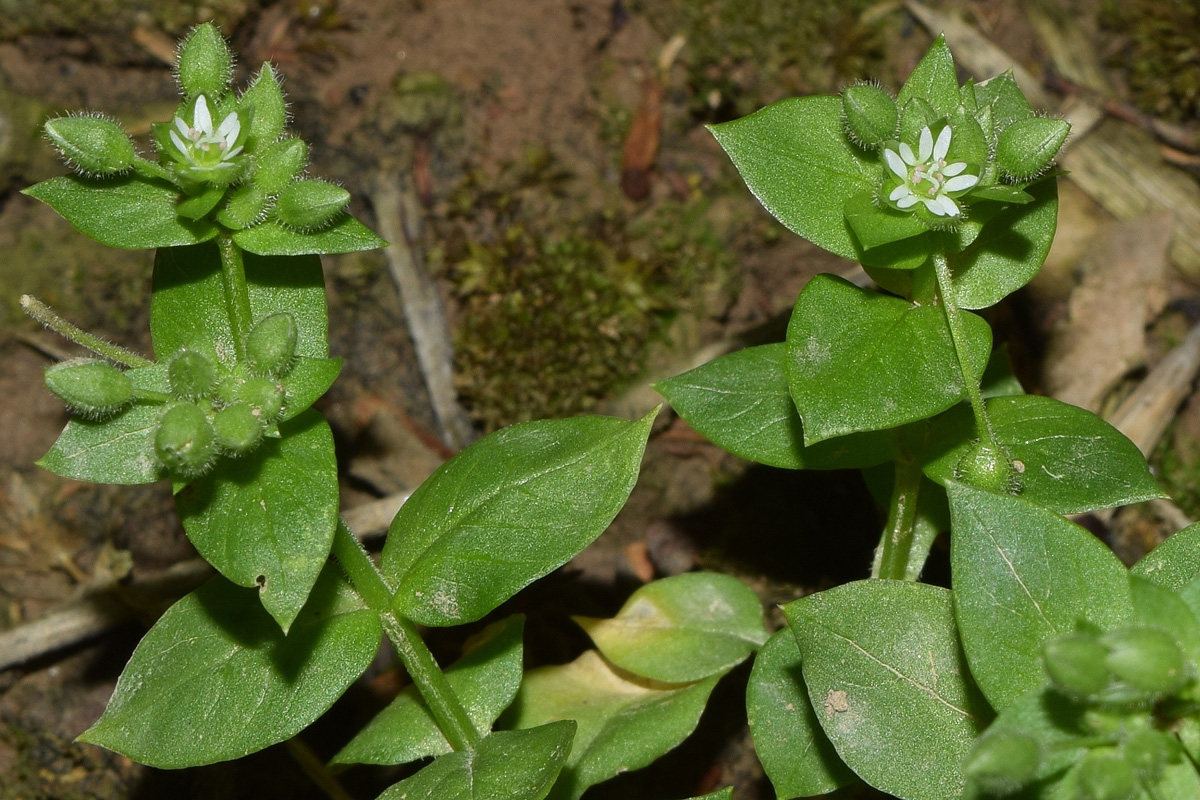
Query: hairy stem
(237, 296)
(970, 379)
(45, 315)
(896, 543)
(350, 553)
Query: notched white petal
(935, 206)
(960, 183)
(926, 144)
(907, 154)
(895, 164)
(908, 201)
(943, 143)
(179, 145)
(949, 207)
(900, 191)
(950, 170)
(230, 127)
(201, 116)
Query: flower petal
(935, 207)
(230, 127)
(960, 183)
(926, 148)
(908, 201)
(950, 170)
(900, 191)
(231, 153)
(182, 126)
(943, 144)
(907, 154)
(895, 164)
(948, 205)
(179, 145)
(202, 118)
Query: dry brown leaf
(641, 145)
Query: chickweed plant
(1048, 670)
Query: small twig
(315, 769)
(45, 315)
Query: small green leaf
(1158, 607)
(117, 450)
(796, 159)
(507, 510)
(889, 683)
(741, 403)
(1022, 575)
(682, 628)
(200, 205)
(874, 226)
(862, 361)
(205, 63)
(1005, 98)
(1068, 459)
(307, 381)
(127, 212)
(1176, 562)
(263, 105)
(215, 678)
(795, 752)
(1002, 193)
(485, 680)
(344, 235)
(507, 765)
(625, 723)
(267, 519)
(934, 80)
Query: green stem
(443, 703)
(897, 540)
(971, 380)
(45, 315)
(237, 296)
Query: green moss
(1161, 58)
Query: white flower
(199, 143)
(925, 177)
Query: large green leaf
(128, 212)
(862, 361)
(345, 235)
(507, 765)
(215, 678)
(795, 752)
(625, 723)
(796, 159)
(1176, 562)
(1022, 574)
(889, 683)
(934, 80)
(267, 519)
(682, 628)
(1159, 607)
(485, 680)
(741, 402)
(1070, 460)
(507, 510)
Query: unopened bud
(205, 63)
(310, 205)
(263, 395)
(92, 145)
(1104, 775)
(95, 389)
(1075, 664)
(870, 115)
(184, 442)
(279, 164)
(1026, 148)
(1003, 761)
(990, 467)
(271, 345)
(1147, 659)
(191, 375)
(238, 428)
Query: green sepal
(91, 145)
(874, 226)
(310, 205)
(263, 102)
(237, 428)
(127, 212)
(344, 235)
(245, 205)
(205, 63)
(934, 80)
(271, 344)
(215, 678)
(279, 164)
(185, 442)
(198, 206)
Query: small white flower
(925, 177)
(200, 143)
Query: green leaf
(507, 510)
(625, 723)
(1009, 251)
(267, 519)
(1002, 193)
(1022, 575)
(1159, 607)
(889, 683)
(118, 450)
(128, 212)
(1068, 459)
(862, 361)
(307, 381)
(874, 226)
(1005, 98)
(933, 80)
(485, 680)
(1176, 562)
(795, 158)
(508, 765)
(683, 628)
(344, 235)
(741, 403)
(188, 305)
(723, 794)
(1179, 781)
(215, 678)
(795, 752)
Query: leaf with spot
(890, 685)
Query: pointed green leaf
(862, 361)
(1005, 98)
(933, 80)
(741, 403)
(1068, 459)
(889, 683)
(1176, 562)
(117, 450)
(128, 212)
(507, 510)
(215, 678)
(507, 765)
(307, 381)
(795, 158)
(788, 739)
(344, 235)
(625, 723)
(874, 226)
(267, 519)
(682, 628)
(1022, 575)
(485, 681)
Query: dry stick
(399, 215)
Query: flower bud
(1104, 775)
(271, 345)
(1075, 664)
(1003, 761)
(1026, 148)
(310, 205)
(990, 467)
(91, 145)
(263, 395)
(245, 206)
(1147, 659)
(184, 441)
(279, 164)
(95, 389)
(263, 105)
(870, 115)
(191, 375)
(238, 428)
(1147, 752)
(205, 63)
